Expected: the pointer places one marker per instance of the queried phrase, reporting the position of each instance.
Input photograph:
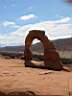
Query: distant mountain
(63, 44)
(60, 44)
(13, 48)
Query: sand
(18, 80)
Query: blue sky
(17, 17)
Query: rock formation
(51, 57)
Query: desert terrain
(17, 80)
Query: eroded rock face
(51, 57)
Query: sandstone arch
(51, 57)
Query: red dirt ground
(16, 80)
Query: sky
(18, 17)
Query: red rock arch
(51, 57)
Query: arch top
(41, 32)
(35, 34)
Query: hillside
(61, 44)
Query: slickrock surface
(16, 80)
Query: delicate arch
(51, 57)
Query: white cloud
(15, 26)
(10, 24)
(54, 30)
(28, 17)
(63, 20)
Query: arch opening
(37, 50)
(37, 46)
